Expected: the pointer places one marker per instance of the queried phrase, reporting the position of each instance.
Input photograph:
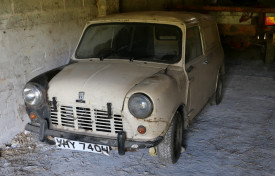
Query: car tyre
(169, 149)
(219, 90)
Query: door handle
(189, 69)
(205, 62)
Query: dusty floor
(235, 138)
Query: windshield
(134, 41)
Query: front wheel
(169, 149)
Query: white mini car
(134, 81)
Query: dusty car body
(134, 81)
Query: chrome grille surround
(85, 119)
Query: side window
(193, 47)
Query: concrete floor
(235, 138)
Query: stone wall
(36, 36)
(106, 7)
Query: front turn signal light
(141, 129)
(32, 116)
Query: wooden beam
(227, 9)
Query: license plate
(81, 146)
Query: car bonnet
(100, 82)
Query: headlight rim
(148, 98)
(37, 87)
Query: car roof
(170, 16)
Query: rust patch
(155, 120)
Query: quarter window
(193, 47)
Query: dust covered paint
(129, 71)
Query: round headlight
(140, 106)
(32, 94)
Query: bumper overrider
(120, 142)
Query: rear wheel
(219, 90)
(217, 97)
(169, 149)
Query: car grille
(85, 119)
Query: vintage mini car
(134, 81)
